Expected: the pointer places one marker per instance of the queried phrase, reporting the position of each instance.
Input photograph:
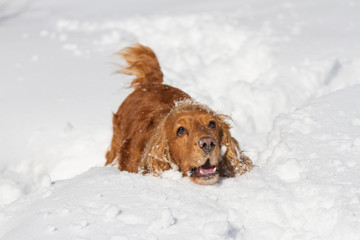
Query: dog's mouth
(204, 171)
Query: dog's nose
(207, 144)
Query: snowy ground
(287, 73)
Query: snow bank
(305, 187)
(249, 63)
(267, 64)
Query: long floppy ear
(233, 161)
(156, 158)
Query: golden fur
(159, 127)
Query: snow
(288, 74)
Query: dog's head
(194, 140)
(198, 142)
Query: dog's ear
(156, 158)
(233, 160)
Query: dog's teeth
(201, 171)
(214, 169)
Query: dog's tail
(143, 63)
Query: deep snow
(308, 188)
(268, 64)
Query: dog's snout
(207, 144)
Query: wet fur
(144, 139)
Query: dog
(159, 127)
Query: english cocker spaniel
(159, 127)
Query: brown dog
(159, 127)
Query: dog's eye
(181, 132)
(212, 124)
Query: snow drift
(275, 67)
(306, 187)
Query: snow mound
(306, 187)
(239, 63)
(267, 64)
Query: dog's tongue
(204, 171)
(206, 168)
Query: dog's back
(142, 110)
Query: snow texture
(288, 74)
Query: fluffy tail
(143, 63)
